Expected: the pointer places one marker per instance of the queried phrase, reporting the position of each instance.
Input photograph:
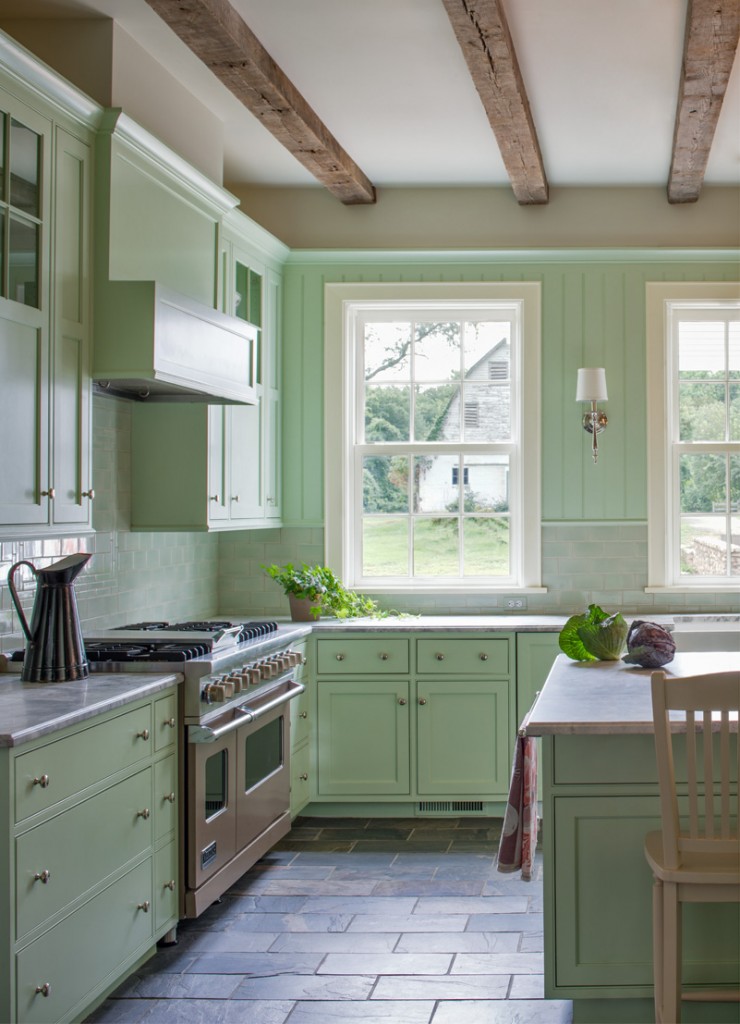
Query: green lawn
(436, 547)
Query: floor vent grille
(450, 807)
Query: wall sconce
(591, 388)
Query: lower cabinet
(92, 866)
(301, 734)
(408, 718)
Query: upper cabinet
(218, 467)
(45, 316)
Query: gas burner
(247, 630)
(105, 650)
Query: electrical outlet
(516, 602)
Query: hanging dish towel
(519, 834)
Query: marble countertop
(606, 697)
(29, 711)
(444, 623)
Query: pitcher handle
(14, 594)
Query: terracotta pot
(300, 608)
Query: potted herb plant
(313, 590)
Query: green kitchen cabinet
(535, 653)
(91, 867)
(301, 733)
(420, 720)
(45, 315)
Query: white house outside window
(427, 486)
(694, 443)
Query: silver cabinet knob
(89, 494)
(383, 656)
(340, 657)
(43, 990)
(402, 701)
(235, 497)
(303, 777)
(422, 700)
(144, 906)
(170, 885)
(170, 797)
(483, 657)
(42, 876)
(143, 735)
(303, 714)
(143, 814)
(172, 722)
(42, 780)
(439, 657)
(51, 493)
(214, 497)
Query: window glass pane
(2, 156)
(25, 148)
(735, 483)
(703, 483)
(23, 263)
(703, 545)
(2, 250)
(385, 481)
(437, 351)
(701, 349)
(486, 546)
(388, 352)
(487, 414)
(486, 483)
(385, 546)
(216, 777)
(433, 487)
(387, 412)
(241, 295)
(255, 299)
(486, 345)
(263, 753)
(437, 412)
(735, 412)
(735, 558)
(734, 348)
(436, 547)
(702, 412)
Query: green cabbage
(594, 636)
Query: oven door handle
(205, 734)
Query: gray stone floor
(404, 921)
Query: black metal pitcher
(55, 651)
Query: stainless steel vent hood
(154, 345)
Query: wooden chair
(694, 858)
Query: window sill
(466, 590)
(699, 588)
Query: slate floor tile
(409, 923)
(381, 1012)
(427, 887)
(337, 942)
(386, 963)
(472, 905)
(458, 942)
(194, 1011)
(232, 941)
(492, 1011)
(360, 905)
(492, 986)
(505, 923)
(293, 923)
(304, 986)
(179, 986)
(256, 964)
(120, 1011)
(527, 986)
(310, 886)
(498, 963)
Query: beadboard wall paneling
(593, 315)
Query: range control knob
(235, 681)
(213, 693)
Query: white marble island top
(609, 697)
(29, 711)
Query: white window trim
(338, 385)
(662, 536)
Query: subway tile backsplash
(138, 576)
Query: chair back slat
(710, 704)
(692, 780)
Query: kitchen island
(600, 798)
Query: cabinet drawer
(300, 719)
(487, 656)
(50, 773)
(165, 887)
(86, 946)
(165, 722)
(80, 848)
(165, 797)
(369, 657)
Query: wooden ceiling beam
(218, 35)
(710, 45)
(483, 34)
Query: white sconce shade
(591, 386)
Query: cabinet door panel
(463, 737)
(245, 461)
(165, 887)
(23, 417)
(535, 653)
(165, 797)
(165, 722)
(363, 742)
(218, 499)
(115, 830)
(85, 947)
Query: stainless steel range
(239, 680)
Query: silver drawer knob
(402, 701)
(383, 656)
(143, 735)
(42, 780)
(340, 657)
(43, 990)
(169, 885)
(439, 657)
(422, 700)
(170, 797)
(42, 876)
(144, 906)
(143, 814)
(483, 657)
(171, 722)
(303, 714)
(304, 777)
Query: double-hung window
(432, 436)
(694, 439)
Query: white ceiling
(389, 80)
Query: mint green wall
(593, 306)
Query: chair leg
(671, 978)
(658, 949)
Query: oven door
(238, 779)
